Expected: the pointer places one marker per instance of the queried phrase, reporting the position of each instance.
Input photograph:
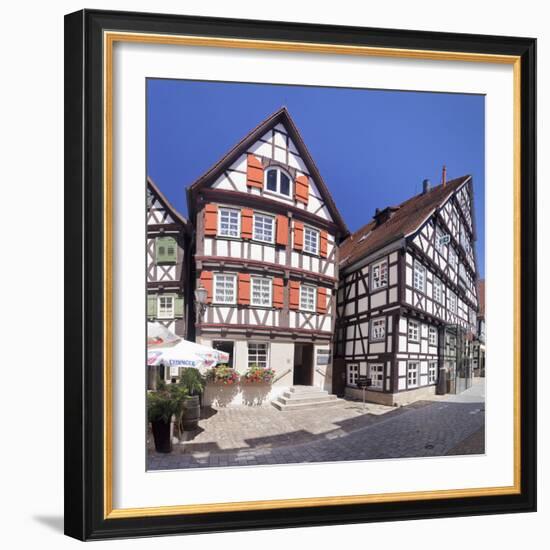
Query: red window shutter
(301, 189)
(294, 302)
(247, 215)
(282, 230)
(244, 289)
(211, 219)
(298, 235)
(278, 292)
(254, 172)
(324, 244)
(322, 300)
(206, 280)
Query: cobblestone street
(451, 424)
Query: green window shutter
(151, 305)
(166, 250)
(178, 306)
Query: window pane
(263, 228)
(261, 292)
(311, 239)
(285, 184)
(272, 180)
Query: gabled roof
(405, 219)
(283, 117)
(166, 203)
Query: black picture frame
(84, 247)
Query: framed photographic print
(300, 274)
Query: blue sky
(372, 147)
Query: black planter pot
(161, 435)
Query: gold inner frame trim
(109, 39)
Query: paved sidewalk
(263, 435)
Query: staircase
(304, 397)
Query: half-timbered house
(267, 235)
(167, 250)
(407, 301)
(478, 361)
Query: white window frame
(432, 331)
(255, 235)
(250, 361)
(438, 296)
(306, 247)
(419, 268)
(413, 371)
(352, 374)
(261, 280)
(222, 209)
(377, 382)
(432, 371)
(452, 303)
(217, 276)
(411, 331)
(165, 313)
(439, 246)
(379, 275)
(302, 289)
(453, 258)
(381, 322)
(278, 183)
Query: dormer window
(277, 181)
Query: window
(453, 258)
(224, 288)
(376, 374)
(261, 292)
(311, 240)
(277, 181)
(412, 374)
(432, 336)
(229, 223)
(451, 301)
(379, 277)
(165, 307)
(432, 372)
(263, 228)
(257, 355)
(414, 331)
(419, 281)
(438, 291)
(166, 250)
(353, 373)
(439, 240)
(307, 297)
(378, 329)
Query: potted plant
(162, 405)
(223, 374)
(258, 375)
(193, 382)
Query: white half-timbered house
(267, 235)
(407, 302)
(167, 249)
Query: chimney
(426, 186)
(444, 176)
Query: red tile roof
(406, 218)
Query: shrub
(165, 402)
(192, 380)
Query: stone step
(304, 389)
(318, 393)
(304, 397)
(312, 404)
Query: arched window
(277, 181)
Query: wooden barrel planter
(191, 413)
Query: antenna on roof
(444, 176)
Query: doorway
(227, 346)
(303, 365)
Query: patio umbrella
(186, 354)
(159, 335)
